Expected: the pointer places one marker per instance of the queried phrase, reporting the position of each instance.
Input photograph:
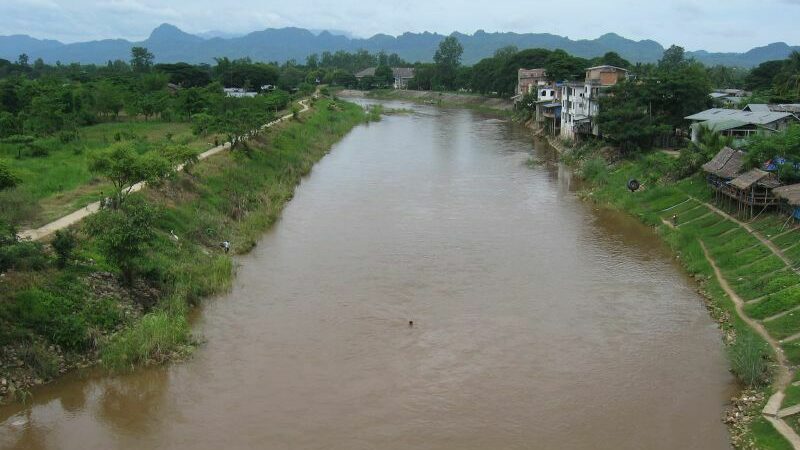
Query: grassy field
(82, 310)
(58, 178)
(770, 286)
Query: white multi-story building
(580, 102)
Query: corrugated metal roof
(608, 67)
(397, 72)
(789, 193)
(403, 72)
(724, 124)
(726, 164)
(757, 118)
(757, 107)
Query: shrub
(64, 243)
(749, 360)
(7, 178)
(52, 316)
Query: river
(540, 322)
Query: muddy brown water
(539, 322)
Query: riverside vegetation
(119, 286)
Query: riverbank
(753, 264)
(54, 319)
(447, 99)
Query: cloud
(135, 7)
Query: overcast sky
(715, 25)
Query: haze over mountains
(170, 44)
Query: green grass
(766, 437)
(61, 181)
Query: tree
(763, 76)
(108, 99)
(181, 155)
(787, 81)
(612, 59)
(124, 167)
(141, 59)
(625, 119)
(22, 60)
(447, 59)
(673, 58)
(384, 76)
(124, 235)
(637, 112)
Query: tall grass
(157, 336)
(749, 359)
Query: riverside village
(436, 226)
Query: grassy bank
(446, 99)
(678, 212)
(53, 318)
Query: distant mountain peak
(167, 31)
(170, 44)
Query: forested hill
(170, 44)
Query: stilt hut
(789, 197)
(744, 191)
(753, 191)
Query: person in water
(410, 323)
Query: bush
(749, 360)
(104, 314)
(7, 177)
(64, 243)
(21, 255)
(39, 150)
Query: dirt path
(771, 411)
(77, 216)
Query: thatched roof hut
(726, 164)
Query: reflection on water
(540, 322)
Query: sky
(714, 25)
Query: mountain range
(170, 44)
